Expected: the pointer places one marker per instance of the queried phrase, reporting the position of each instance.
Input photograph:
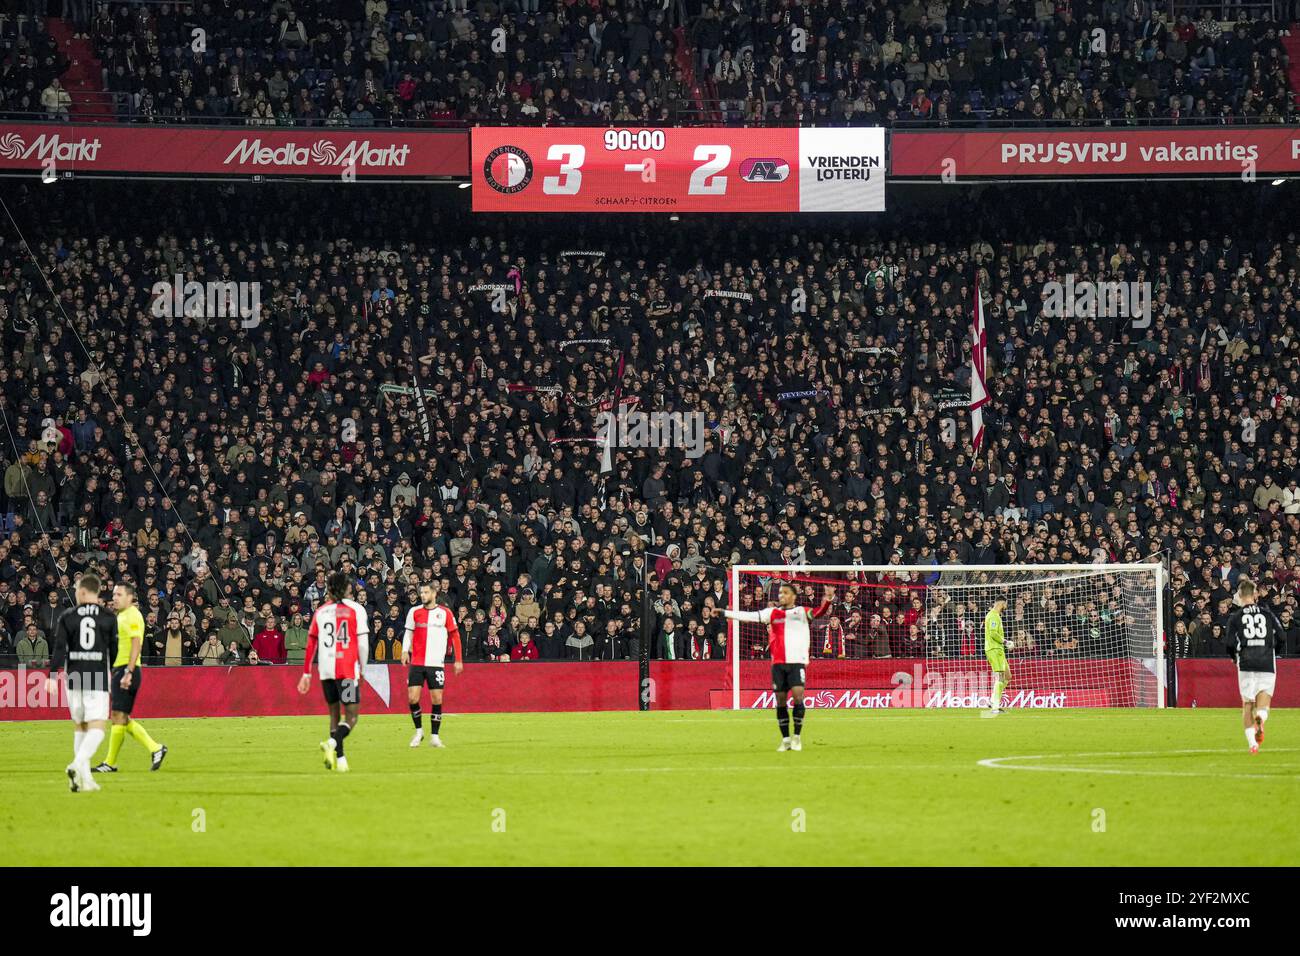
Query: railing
(708, 114)
(1225, 10)
(167, 118)
(987, 119)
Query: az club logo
(508, 169)
(765, 170)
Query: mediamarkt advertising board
(677, 170)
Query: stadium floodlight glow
(674, 218)
(462, 185)
(1278, 182)
(1077, 635)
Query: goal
(1087, 635)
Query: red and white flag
(979, 395)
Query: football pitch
(881, 788)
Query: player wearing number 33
(1252, 637)
(340, 632)
(789, 637)
(430, 628)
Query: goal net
(899, 636)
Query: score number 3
(705, 179)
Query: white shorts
(87, 705)
(1252, 683)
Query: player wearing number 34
(1252, 638)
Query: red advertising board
(239, 152)
(482, 688)
(878, 698)
(1210, 151)
(554, 169)
(1212, 682)
(676, 685)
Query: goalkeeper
(996, 652)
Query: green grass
(875, 788)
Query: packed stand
(225, 470)
(584, 62)
(1027, 62)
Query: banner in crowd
(558, 169)
(57, 149)
(1189, 151)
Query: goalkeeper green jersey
(993, 633)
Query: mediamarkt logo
(843, 699)
(323, 152)
(46, 146)
(1025, 698)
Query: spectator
(269, 643)
(525, 650)
(211, 651)
(295, 639)
(33, 649)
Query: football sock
(416, 715)
(996, 700)
(435, 718)
(1261, 713)
(783, 719)
(89, 744)
(340, 732)
(115, 737)
(798, 718)
(1250, 736)
(136, 730)
(77, 737)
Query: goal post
(1078, 635)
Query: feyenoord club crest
(508, 169)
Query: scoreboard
(674, 170)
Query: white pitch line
(783, 767)
(998, 763)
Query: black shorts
(123, 698)
(786, 676)
(341, 691)
(434, 677)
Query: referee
(125, 683)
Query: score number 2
(705, 178)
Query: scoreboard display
(669, 170)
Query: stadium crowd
(226, 464)
(657, 62)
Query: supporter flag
(420, 407)
(611, 424)
(422, 410)
(979, 395)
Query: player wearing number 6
(789, 637)
(340, 632)
(1252, 637)
(995, 652)
(85, 642)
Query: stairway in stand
(90, 104)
